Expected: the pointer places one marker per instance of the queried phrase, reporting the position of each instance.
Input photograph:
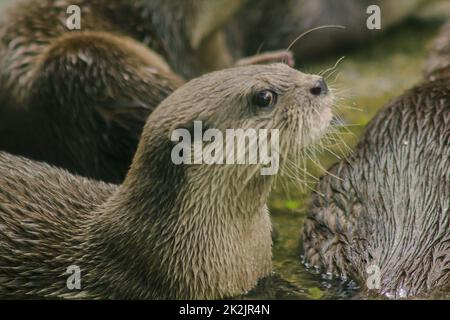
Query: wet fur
(389, 205)
(78, 100)
(168, 232)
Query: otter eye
(265, 98)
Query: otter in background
(387, 205)
(438, 63)
(79, 99)
(267, 24)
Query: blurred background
(365, 68)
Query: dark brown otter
(264, 24)
(78, 99)
(169, 231)
(386, 208)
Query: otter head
(211, 224)
(253, 103)
(263, 96)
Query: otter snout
(319, 88)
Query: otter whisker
(336, 77)
(333, 67)
(311, 30)
(305, 171)
(292, 175)
(350, 108)
(330, 74)
(336, 140)
(333, 135)
(259, 49)
(333, 153)
(311, 158)
(292, 172)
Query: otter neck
(191, 240)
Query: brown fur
(168, 231)
(79, 99)
(388, 204)
(76, 99)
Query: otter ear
(210, 16)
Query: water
(369, 77)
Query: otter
(78, 99)
(385, 209)
(438, 63)
(289, 18)
(168, 231)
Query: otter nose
(320, 87)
